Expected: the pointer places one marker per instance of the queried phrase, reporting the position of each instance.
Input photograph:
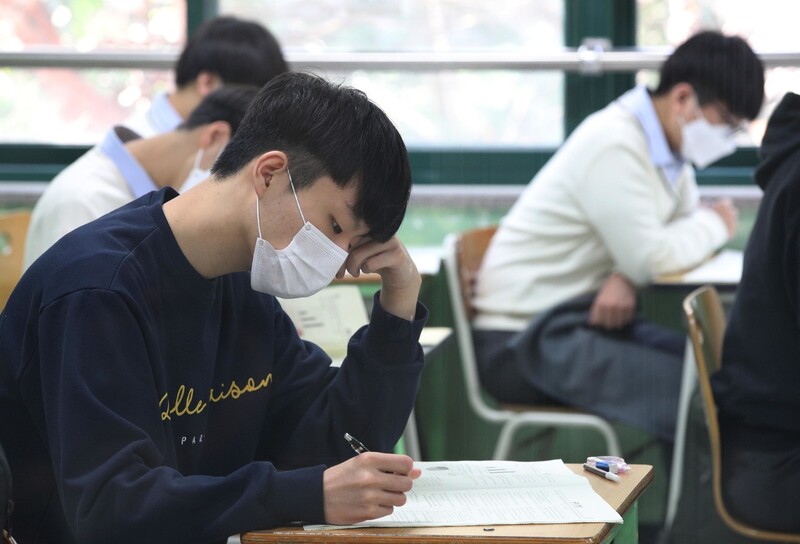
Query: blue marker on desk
(603, 474)
(606, 466)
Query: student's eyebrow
(357, 221)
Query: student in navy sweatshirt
(151, 387)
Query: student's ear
(265, 168)
(213, 137)
(207, 82)
(683, 101)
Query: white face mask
(703, 143)
(304, 267)
(196, 175)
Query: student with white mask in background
(617, 205)
(124, 167)
(224, 50)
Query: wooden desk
(622, 496)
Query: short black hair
(238, 51)
(327, 129)
(720, 68)
(228, 103)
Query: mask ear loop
(258, 217)
(291, 184)
(197, 159)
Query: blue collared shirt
(113, 146)
(162, 116)
(640, 104)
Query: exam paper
(723, 268)
(495, 493)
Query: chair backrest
(462, 259)
(13, 229)
(706, 322)
(463, 256)
(469, 251)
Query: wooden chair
(463, 255)
(706, 321)
(13, 228)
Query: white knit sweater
(599, 205)
(88, 188)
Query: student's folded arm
(370, 396)
(622, 204)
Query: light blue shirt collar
(162, 116)
(113, 146)
(640, 104)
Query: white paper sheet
(495, 493)
(329, 318)
(723, 268)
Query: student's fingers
(594, 316)
(360, 256)
(396, 483)
(355, 257)
(391, 500)
(391, 473)
(392, 262)
(356, 490)
(598, 313)
(389, 462)
(609, 316)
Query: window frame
(589, 85)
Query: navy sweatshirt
(143, 403)
(759, 382)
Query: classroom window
(669, 22)
(77, 106)
(481, 108)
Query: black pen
(357, 446)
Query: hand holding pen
(368, 486)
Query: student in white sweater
(616, 206)
(124, 167)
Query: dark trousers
(632, 375)
(761, 475)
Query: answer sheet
(456, 493)
(722, 269)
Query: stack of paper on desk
(496, 493)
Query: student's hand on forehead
(400, 280)
(390, 259)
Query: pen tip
(347, 436)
